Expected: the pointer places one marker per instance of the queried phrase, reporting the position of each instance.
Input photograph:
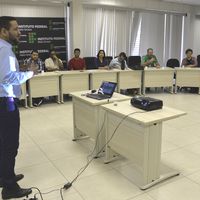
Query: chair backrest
(108, 59)
(198, 60)
(173, 62)
(90, 62)
(134, 61)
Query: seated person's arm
(145, 62)
(126, 66)
(111, 66)
(156, 62)
(195, 63)
(48, 65)
(60, 64)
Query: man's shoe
(15, 192)
(18, 177)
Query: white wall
(31, 10)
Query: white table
(187, 77)
(129, 79)
(138, 138)
(98, 76)
(73, 81)
(43, 85)
(161, 77)
(89, 117)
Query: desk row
(66, 82)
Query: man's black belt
(7, 99)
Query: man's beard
(13, 40)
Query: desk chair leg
(171, 89)
(25, 102)
(62, 98)
(30, 102)
(58, 99)
(175, 91)
(143, 91)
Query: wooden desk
(23, 95)
(98, 76)
(73, 81)
(138, 138)
(43, 85)
(187, 77)
(162, 77)
(89, 117)
(129, 79)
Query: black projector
(146, 103)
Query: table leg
(160, 179)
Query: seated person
(77, 63)
(53, 63)
(34, 60)
(119, 62)
(150, 59)
(189, 61)
(101, 62)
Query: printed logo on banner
(41, 34)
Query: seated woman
(101, 62)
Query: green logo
(32, 38)
(15, 49)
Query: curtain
(110, 29)
(152, 34)
(173, 40)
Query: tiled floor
(48, 158)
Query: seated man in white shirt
(119, 62)
(53, 63)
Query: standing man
(10, 90)
(150, 59)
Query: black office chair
(173, 62)
(198, 60)
(108, 59)
(90, 62)
(134, 62)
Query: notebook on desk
(105, 91)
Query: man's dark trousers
(9, 141)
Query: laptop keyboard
(98, 96)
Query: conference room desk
(187, 77)
(89, 118)
(43, 85)
(162, 77)
(129, 79)
(98, 76)
(24, 95)
(73, 81)
(138, 138)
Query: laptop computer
(105, 91)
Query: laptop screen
(107, 88)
